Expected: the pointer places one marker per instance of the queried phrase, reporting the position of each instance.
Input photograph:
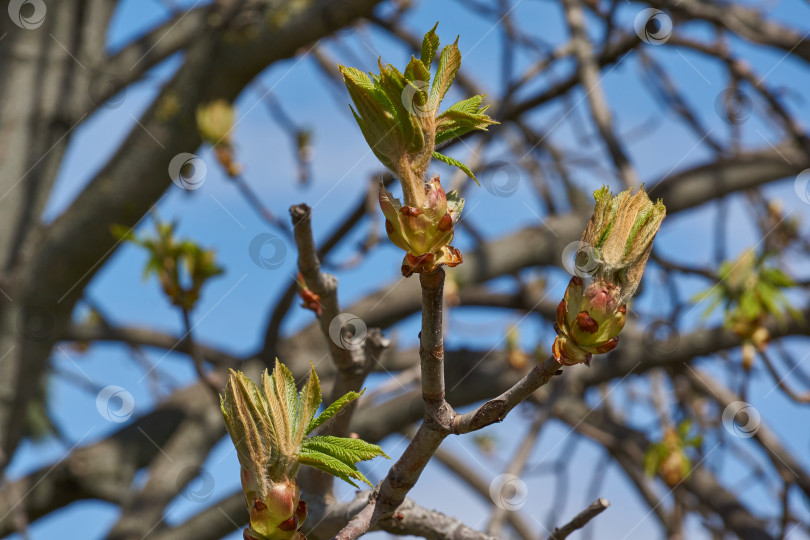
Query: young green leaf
(449, 62)
(456, 163)
(308, 402)
(430, 44)
(332, 465)
(333, 409)
(345, 449)
(454, 123)
(416, 71)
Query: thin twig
(780, 380)
(199, 364)
(580, 520)
(496, 409)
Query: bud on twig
(397, 113)
(424, 233)
(270, 425)
(619, 237)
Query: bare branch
(580, 520)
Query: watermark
(733, 106)
(195, 484)
(35, 323)
(661, 338)
(502, 179)
(187, 171)
(508, 492)
(115, 404)
(580, 259)
(28, 14)
(802, 186)
(653, 26)
(107, 90)
(741, 419)
(415, 98)
(268, 251)
(348, 331)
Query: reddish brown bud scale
(446, 223)
(562, 307)
(586, 323)
(608, 346)
(423, 229)
(410, 211)
(290, 524)
(301, 511)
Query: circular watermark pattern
(35, 323)
(268, 251)
(415, 98)
(802, 186)
(661, 338)
(348, 331)
(508, 492)
(501, 179)
(653, 26)
(733, 106)
(741, 419)
(28, 14)
(338, 17)
(115, 404)
(187, 171)
(107, 90)
(580, 259)
(195, 484)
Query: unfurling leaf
(618, 240)
(751, 291)
(268, 424)
(430, 44)
(343, 448)
(333, 466)
(449, 62)
(332, 410)
(455, 163)
(398, 116)
(181, 266)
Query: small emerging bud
(621, 232)
(619, 237)
(309, 300)
(424, 233)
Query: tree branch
(580, 520)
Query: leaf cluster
(668, 456)
(397, 111)
(182, 266)
(750, 289)
(271, 425)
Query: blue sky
(234, 308)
